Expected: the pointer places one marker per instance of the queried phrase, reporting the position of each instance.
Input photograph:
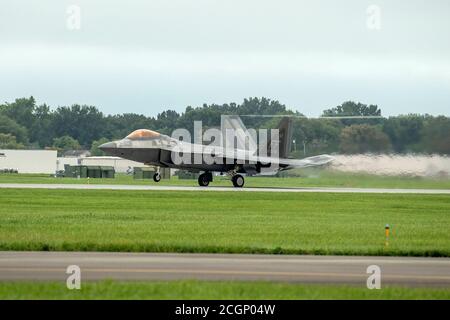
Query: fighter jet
(156, 149)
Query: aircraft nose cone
(108, 146)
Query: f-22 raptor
(156, 149)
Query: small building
(107, 172)
(143, 172)
(120, 165)
(29, 161)
(165, 173)
(185, 175)
(74, 171)
(75, 167)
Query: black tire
(203, 180)
(238, 181)
(157, 177)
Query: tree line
(26, 125)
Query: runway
(350, 270)
(222, 189)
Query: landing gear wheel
(203, 180)
(157, 177)
(238, 181)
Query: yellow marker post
(386, 232)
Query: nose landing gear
(157, 177)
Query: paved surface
(44, 266)
(231, 189)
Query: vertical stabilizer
(285, 136)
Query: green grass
(310, 178)
(168, 221)
(208, 290)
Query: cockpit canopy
(143, 134)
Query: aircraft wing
(245, 155)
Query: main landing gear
(238, 181)
(204, 179)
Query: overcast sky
(148, 56)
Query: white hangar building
(29, 161)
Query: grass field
(208, 291)
(167, 221)
(310, 178)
